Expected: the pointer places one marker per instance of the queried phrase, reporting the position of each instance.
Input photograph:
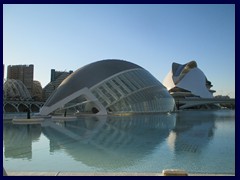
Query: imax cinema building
(109, 87)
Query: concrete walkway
(100, 174)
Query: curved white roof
(195, 81)
(188, 77)
(88, 76)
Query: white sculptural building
(15, 90)
(109, 87)
(188, 81)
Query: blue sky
(67, 37)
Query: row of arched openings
(21, 107)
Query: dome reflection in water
(196, 141)
(110, 142)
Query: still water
(196, 141)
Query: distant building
(225, 105)
(187, 81)
(222, 97)
(37, 91)
(56, 74)
(56, 79)
(23, 73)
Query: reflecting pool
(196, 141)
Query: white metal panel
(195, 81)
(168, 81)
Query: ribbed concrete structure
(15, 90)
(110, 86)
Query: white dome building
(109, 87)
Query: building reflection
(99, 141)
(18, 140)
(193, 131)
(95, 141)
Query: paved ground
(99, 174)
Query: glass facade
(132, 91)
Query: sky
(68, 37)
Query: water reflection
(18, 140)
(198, 141)
(110, 142)
(192, 132)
